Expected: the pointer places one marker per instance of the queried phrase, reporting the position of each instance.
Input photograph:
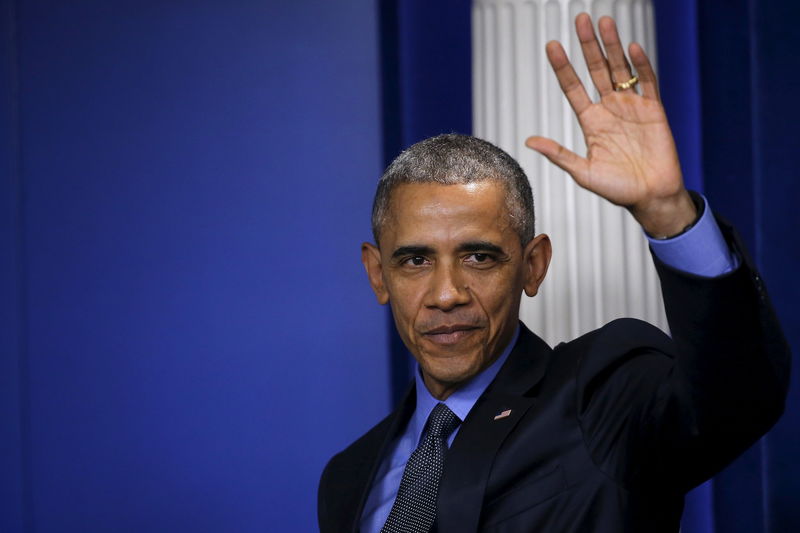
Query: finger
(565, 159)
(570, 83)
(593, 54)
(647, 77)
(618, 63)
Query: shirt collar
(462, 400)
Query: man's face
(452, 267)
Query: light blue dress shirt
(387, 480)
(702, 251)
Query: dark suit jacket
(606, 432)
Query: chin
(451, 370)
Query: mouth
(449, 335)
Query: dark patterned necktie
(414, 509)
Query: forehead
(427, 211)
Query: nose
(447, 290)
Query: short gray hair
(454, 159)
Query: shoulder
(346, 475)
(617, 340)
(620, 350)
(358, 454)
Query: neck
(440, 391)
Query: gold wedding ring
(626, 84)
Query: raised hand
(631, 159)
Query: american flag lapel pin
(502, 414)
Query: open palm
(631, 158)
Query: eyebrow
(412, 249)
(481, 246)
(470, 246)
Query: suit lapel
(470, 459)
(365, 476)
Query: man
(605, 433)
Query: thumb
(565, 159)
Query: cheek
(404, 299)
(498, 293)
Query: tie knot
(442, 421)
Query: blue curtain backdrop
(750, 143)
(186, 334)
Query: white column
(601, 267)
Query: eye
(416, 260)
(480, 259)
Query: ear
(371, 257)
(536, 257)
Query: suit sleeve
(655, 410)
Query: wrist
(667, 217)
